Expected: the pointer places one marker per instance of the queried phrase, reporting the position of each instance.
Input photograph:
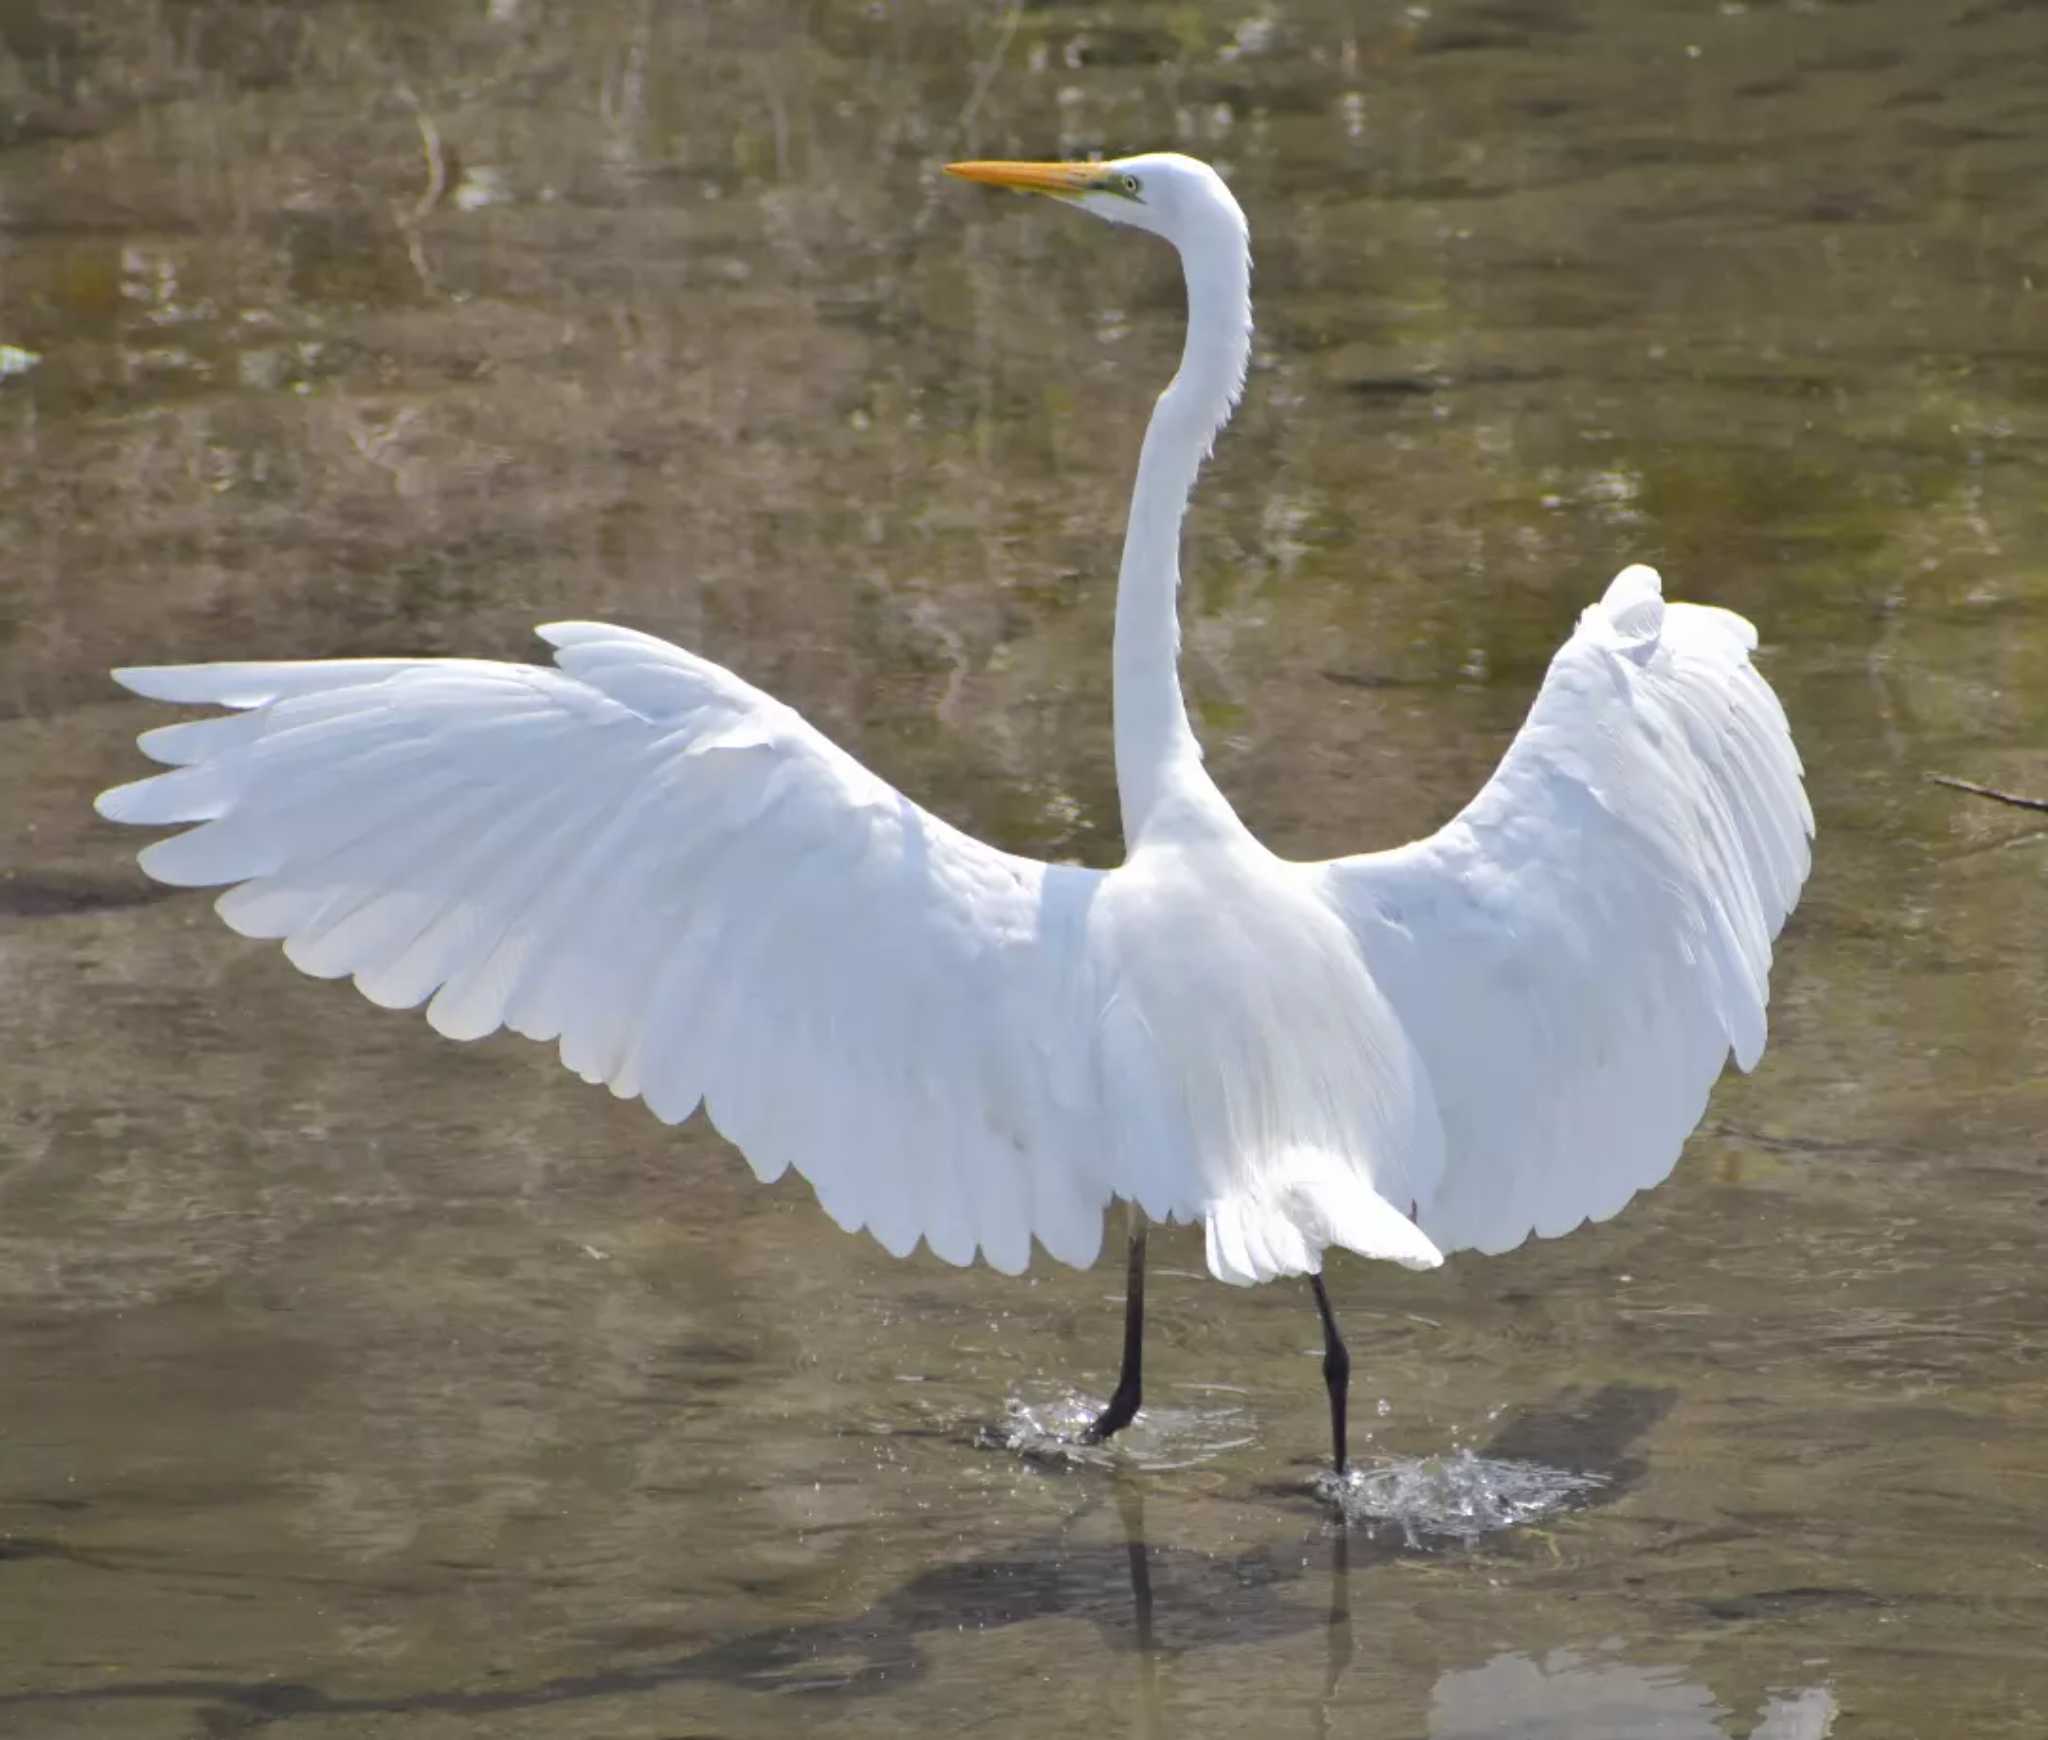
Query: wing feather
(1577, 954)
(698, 897)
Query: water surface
(353, 1382)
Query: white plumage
(1508, 1027)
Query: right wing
(699, 895)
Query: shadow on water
(1144, 1599)
(63, 894)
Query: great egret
(1508, 1027)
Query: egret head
(1173, 196)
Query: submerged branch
(1985, 791)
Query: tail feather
(1297, 1207)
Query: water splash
(1459, 1496)
(1049, 1430)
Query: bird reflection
(1151, 1715)
(1156, 1602)
(1563, 1695)
(1340, 1610)
(1566, 1694)
(1130, 1505)
(1339, 1629)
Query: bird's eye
(1128, 184)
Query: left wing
(1576, 953)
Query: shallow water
(352, 1382)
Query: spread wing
(1578, 951)
(639, 855)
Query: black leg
(1124, 1404)
(1336, 1374)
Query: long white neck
(1159, 773)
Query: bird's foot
(1122, 1410)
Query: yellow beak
(1063, 179)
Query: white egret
(1509, 1027)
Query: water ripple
(1459, 1496)
(1049, 1430)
